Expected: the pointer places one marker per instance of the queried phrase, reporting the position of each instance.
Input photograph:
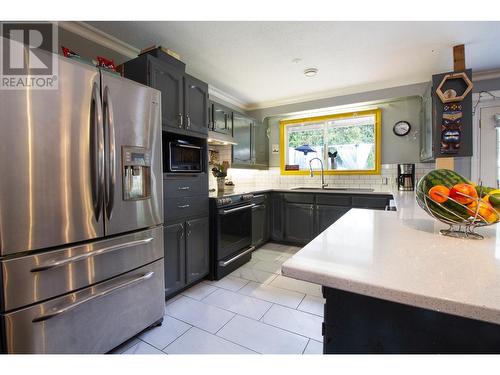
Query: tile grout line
(187, 330)
(223, 338)
(262, 317)
(305, 347)
(273, 302)
(302, 300)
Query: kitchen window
(347, 143)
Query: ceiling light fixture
(310, 72)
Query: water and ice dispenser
(136, 171)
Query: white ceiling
(253, 61)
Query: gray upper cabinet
(260, 144)
(184, 99)
(169, 82)
(195, 105)
(221, 120)
(251, 136)
(242, 134)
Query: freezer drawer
(34, 278)
(92, 320)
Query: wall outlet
(385, 180)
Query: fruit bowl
(464, 206)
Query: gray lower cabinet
(175, 258)
(196, 249)
(327, 215)
(259, 224)
(275, 217)
(299, 222)
(186, 253)
(296, 218)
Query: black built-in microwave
(184, 156)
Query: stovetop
(229, 199)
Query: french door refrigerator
(81, 239)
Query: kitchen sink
(333, 189)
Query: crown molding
(340, 92)
(218, 93)
(91, 33)
(485, 74)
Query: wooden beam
(459, 58)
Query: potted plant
(220, 172)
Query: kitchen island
(393, 284)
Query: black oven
(184, 156)
(231, 231)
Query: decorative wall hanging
(451, 132)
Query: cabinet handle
(181, 231)
(188, 120)
(180, 121)
(183, 188)
(188, 229)
(183, 206)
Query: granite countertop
(401, 257)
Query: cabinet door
(260, 144)
(175, 255)
(242, 133)
(195, 105)
(259, 224)
(196, 249)
(327, 215)
(222, 119)
(170, 82)
(275, 214)
(299, 222)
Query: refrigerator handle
(96, 150)
(111, 158)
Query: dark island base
(357, 324)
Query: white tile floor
(253, 310)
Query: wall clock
(401, 128)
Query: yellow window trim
(378, 141)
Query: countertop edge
(483, 313)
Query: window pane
(354, 141)
(312, 135)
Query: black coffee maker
(406, 177)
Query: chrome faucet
(323, 185)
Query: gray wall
(394, 149)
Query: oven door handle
(53, 314)
(230, 211)
(233, 259)
(188, 146)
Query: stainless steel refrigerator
(81, 212)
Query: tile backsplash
(271, 178)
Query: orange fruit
(439, 193)
(485, 210)
(463, 193)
